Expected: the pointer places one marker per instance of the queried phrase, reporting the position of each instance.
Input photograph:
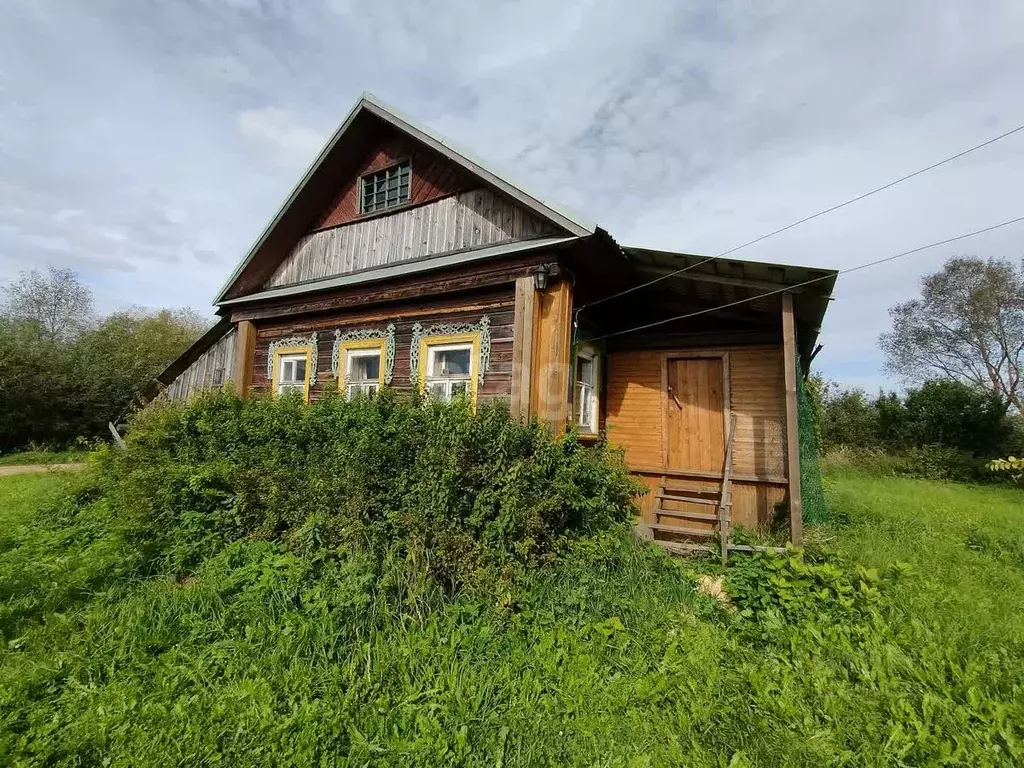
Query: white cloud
(279, 132)
(690, 126)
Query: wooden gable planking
(202, 373)
(470, 219)
(433, 177)
(373, 134)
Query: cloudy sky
(146, 143)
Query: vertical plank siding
(469, 219)
(202, 373)
(549, 371)
(635, 420)
(498, 304)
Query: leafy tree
(124, 353)
(968, 326)
(847, 417)
(892, 422)
(952, 414)
(62, 375)
(56, 304)
(36, 379)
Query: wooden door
(695, 414)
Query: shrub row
(473, 494)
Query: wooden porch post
(549, 385)
(245, 357)
(522, 346)
(796, 508)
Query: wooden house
(401, 261)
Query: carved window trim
(348, 340)
(293, 345)
(447, 333)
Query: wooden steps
(681, 531)
(684, 547)
(721, 499)
(669, 496)
(703, 516)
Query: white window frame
(367, 387)
(281, 358)
(582, 389)
(449, 382)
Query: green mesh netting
(812, 492)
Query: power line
(804, 220)
(813, 280)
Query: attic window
(386, 188)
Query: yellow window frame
(354, 346)
(298, 350)
(426, 342)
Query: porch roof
(753, 288)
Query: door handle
(672, 394)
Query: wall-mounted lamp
(540, 277)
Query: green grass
(263, 657)
(42, 457)
(966, 545)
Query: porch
(704, 406)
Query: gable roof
(305, 193)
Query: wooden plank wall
(497, 303)
(201, 374)
(470, 219)
(634, 407)
(549, 372)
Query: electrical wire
(811, 281)
(804, 220)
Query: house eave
(405, 268)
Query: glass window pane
(300, 369)
(452, 362)
(585, 370)
(437, 389)
(365, 367)
(459, 387)
(372, 367)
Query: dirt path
(21, 469)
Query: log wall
(498, 304)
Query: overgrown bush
(929, 462)
(472, 495)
